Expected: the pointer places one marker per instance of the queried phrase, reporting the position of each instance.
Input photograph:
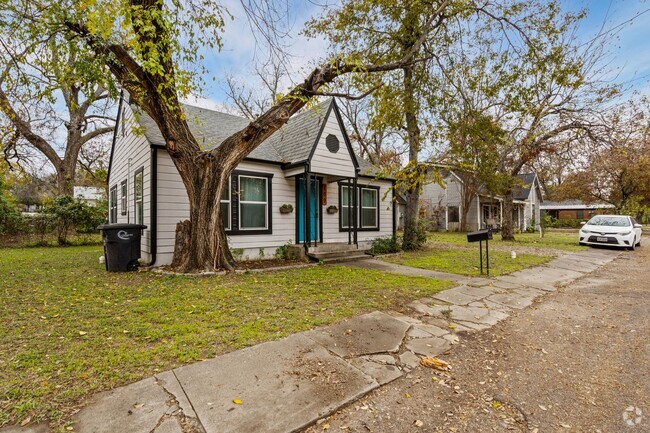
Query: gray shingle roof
(527, 183)
(291, 143)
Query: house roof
(527, 183)
(291, 143)
(573, 205)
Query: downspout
(153, 213)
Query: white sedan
(613, 230)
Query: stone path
(286, 385)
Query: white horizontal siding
(325, 162)
(132, 152)
(173, 207)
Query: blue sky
(628, 58)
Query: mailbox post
(480, 236)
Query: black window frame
(112, 204)
(357, 214)
(138, 172)
(228, 228)
(124, 189)
(235, 208)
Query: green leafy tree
(539, 89)
(11, 220)
(67, 213)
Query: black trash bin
(121, 246)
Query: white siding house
(485, 210)
(312, 145)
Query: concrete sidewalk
(285, 385)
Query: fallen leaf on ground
(418, 423)
(26, 421)
(237, 401)
(326, 426)
(436, 363)
(82, 332)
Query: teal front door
(312, 211)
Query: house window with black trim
(253, 203)
(138, 186)
(346, 206)
(453, 214)
(125, 192)
(226, 206)
(369, 207)
(112, 205)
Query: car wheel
(633, 247)
(638, 244)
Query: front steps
(336, 252)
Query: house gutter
(153, 214)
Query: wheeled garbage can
(121, 246)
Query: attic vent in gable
(332, 143)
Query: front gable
(332, 153)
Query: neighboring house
(89, 194)
(400, 205)
(485, 209)
(527, 200)
(312, 148)
(574, 209)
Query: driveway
(576, 360)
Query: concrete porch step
(339, 256)
(332, 247)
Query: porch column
(349, 211)
(307, 208)
(356, 211)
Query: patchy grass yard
(450, 252)
(69, 329)
(466, 261)
(565, 241)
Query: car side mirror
(638, 226)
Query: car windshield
(611, 221)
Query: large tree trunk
(201, 241)
(411, 229)
(65, 176)
(507, 230)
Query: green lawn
(69, 329)
(566, 241)
(466, 261)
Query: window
(367, 215)
(112, 205)
(225, 206)
(253, 202)
(125, 192)
(580, 214)
(369, 207)
(138, 181)
(346, 206)
(453, 214)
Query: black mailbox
(481, 235)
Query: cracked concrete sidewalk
(286, 385)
